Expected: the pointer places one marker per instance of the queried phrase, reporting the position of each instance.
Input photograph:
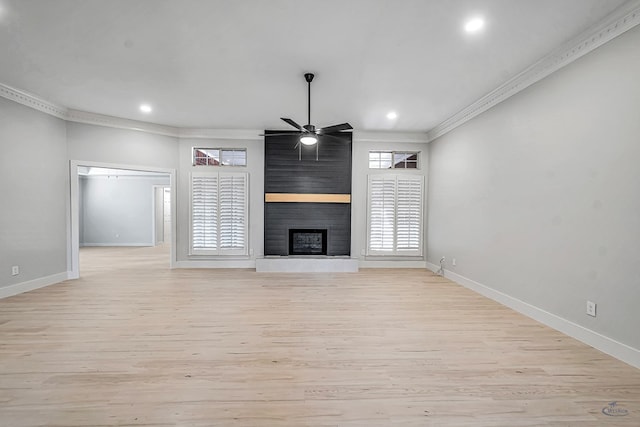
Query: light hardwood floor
(134, 343)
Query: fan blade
(334, 128)
(292, 123)
(335, 136)
(286, 133)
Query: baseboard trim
(31, 285)
(594, 339)
(391, 264)
(115, 245)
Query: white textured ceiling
(239, 64)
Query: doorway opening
(118, 208)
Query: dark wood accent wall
(280, 217)
(330, 174)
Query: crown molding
(384, 136)
(33, 101)
(245, 134)
(120, 123)
(40, 104)
(621, 20)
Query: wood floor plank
(134, 343)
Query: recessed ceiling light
(474, 25)
(145, 108)
(392, 115)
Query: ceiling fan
(309, 133)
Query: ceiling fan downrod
(309, 78)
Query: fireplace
(307, 241)
(303, 194)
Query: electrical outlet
(453, 262)
(15, 270)
(591, 308)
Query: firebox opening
(307, 241)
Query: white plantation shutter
(382, 201)
(409, 215)
(204, 213)
(219, 222)
(395, 215)
(233, 211)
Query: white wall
(255, 169)
(539, 197)
(121, 146)
(34, 195)
(91, 145)
(362, 144)
(118, 210)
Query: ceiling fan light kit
(308, 139)
(309, 133)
